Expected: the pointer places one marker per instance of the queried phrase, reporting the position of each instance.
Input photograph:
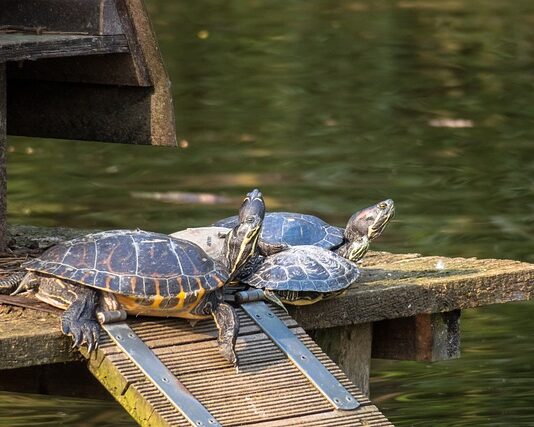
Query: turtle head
(370, 221)
(242, 240)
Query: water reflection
(329, 107)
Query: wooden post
(3, 175)
(350, 348)
(425, 337)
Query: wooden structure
(404, 307)
(80, 69)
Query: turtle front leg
(79, 319)
(227, 323)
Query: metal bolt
(336, 399)
(258, 316)
(349, 399)
(165, 379)
(131, 335)
(303, 357)
(118, 337)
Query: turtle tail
(7, 284)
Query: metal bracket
(301, 356)
(159, 375)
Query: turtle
(306, 274)
(148, 273)
(297, 275)
(285, 229)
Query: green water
(329, 106)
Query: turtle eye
(249, 219)
(382, 205)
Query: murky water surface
(327, 107)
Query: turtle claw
(271, 297)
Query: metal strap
(301, 356)
(160, 375)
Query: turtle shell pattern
(305, 269)
(150, 269)
(294, 229)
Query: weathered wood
(112, 69)
(96, 17)
(147, 57)
(3, 173)
(29, 338)
(268, 388)
(468, 283)
(350, 348)
(425, 337)
(19, 47)
(81, 111)
(403, 285)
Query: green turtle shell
(134, 264)
(304, 269)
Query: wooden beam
(20, 47)
(147, 57)
(96, 17)
(350, 348)
(81, 111)
(425, 337)
(3, 173)
(404, 285)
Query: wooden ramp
(267, 391)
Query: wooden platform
(405, 306)
(268, 390)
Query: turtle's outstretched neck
(241, 243)
(9, 283)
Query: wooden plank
(404, 285)
(95, 17)
(425, 337)
(80, 111)
(3, 174)
(268, 388)
(149, 64)
(20, 47)
(349, 347)
(29, 338)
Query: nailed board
(268, 390)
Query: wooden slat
(267, 389)
(95, 17)
(18, 47)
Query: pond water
(327, 107)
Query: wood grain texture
(424, 337)
(403, 285)
(95, 17)
(349, 347)
(19, 47)
(268, 390)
